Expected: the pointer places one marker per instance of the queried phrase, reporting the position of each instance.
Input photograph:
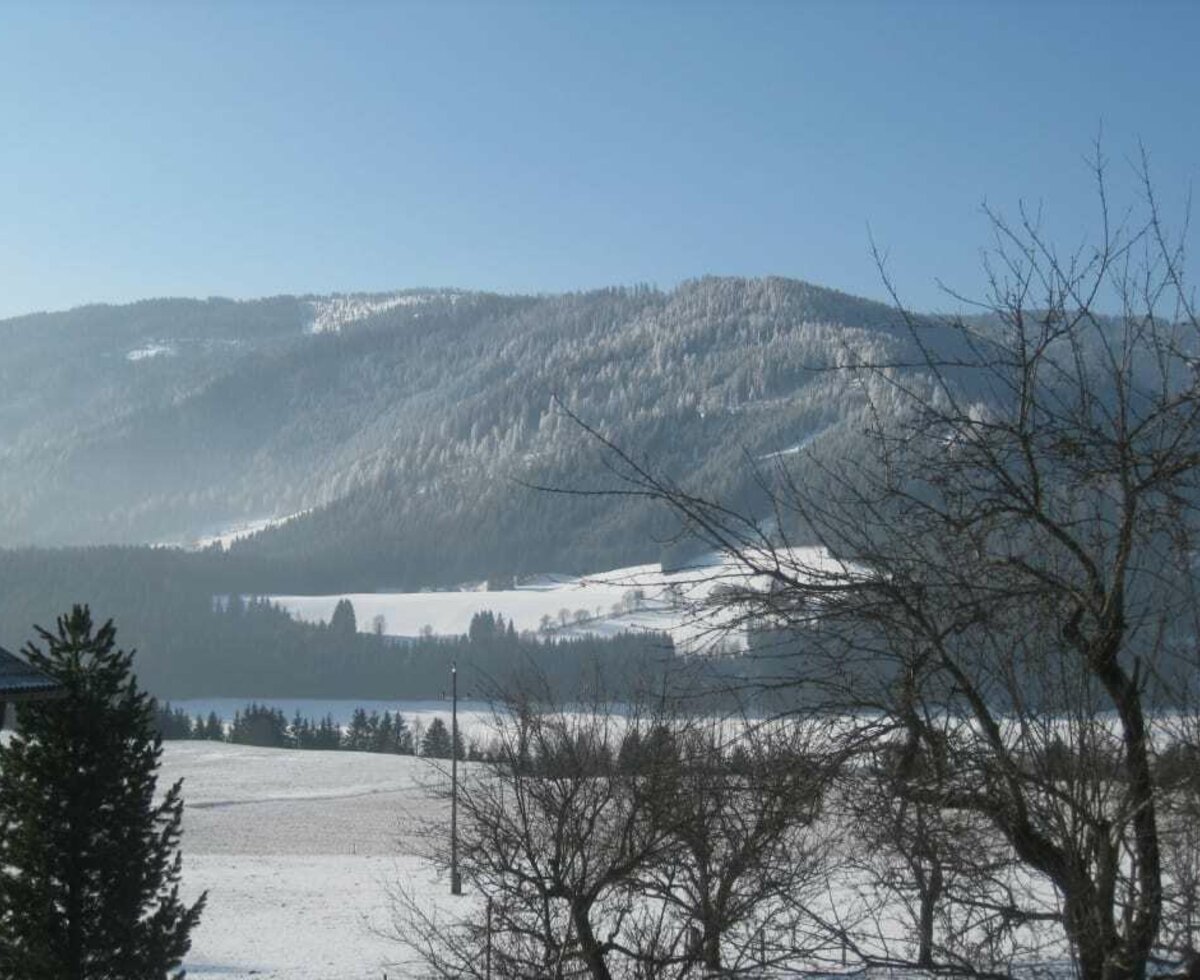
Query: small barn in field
(21, 682)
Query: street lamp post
(455, 877)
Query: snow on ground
(409, 613)
(297, 851)
(641, 597)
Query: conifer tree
(89, 860)
(214, 728)
(328, 734)
(300, 732)
(360, 736)
(343, 621)
(436, 743)
(402, 736)
(384, 734)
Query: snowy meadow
(297, 851)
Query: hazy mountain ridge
(406, 417)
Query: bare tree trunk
(589, 946)
(929, 885)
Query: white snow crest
(332, 313)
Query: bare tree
(1178, 775)
(738, 799)
(933, 888)
(551, 831)
(1008, 577)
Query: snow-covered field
(603, 602)
(297, 851)
(641, 597)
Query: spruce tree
(89, 860)
(215, 728)
(436, 743)
(300, 732)
(402, 737)
(385, 735)
(360, 736)
(328, 734)
(343, 620)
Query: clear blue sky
(255, 148)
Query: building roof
(20, 681)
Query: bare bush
(630, 841)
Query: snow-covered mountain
(404, 425)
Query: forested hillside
(405, 426)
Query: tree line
(267, 727)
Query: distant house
(20, 681)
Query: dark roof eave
(21, 681)
(16, 695)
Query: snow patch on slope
(149, 350)
(227, 535)
(332, 313)
(799, 447)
